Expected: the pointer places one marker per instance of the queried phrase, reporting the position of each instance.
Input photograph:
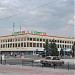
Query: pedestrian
(3, 59)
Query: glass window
(40, 44)
(30, 44)
(34, 39)
(24, 44)
(37, 44)
(10, 44)
(43, 40)
(37, 39)
(18, 39)
(30, 39)
(40, 39)
(21, 39)
(3, 45)
(21, 44)
(15, 44)
(6, 45)
(34, 44)
(15, 39)
(27, 38)
(18, 44)
(27, 44)
(10, 40)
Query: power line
(29, 10)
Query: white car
(52, 60)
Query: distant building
(30, 43)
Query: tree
(53, 48)
(46, 46)
(73, 49)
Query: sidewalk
(29, 70)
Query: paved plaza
(19, 69)
(29, 70)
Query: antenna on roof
(13, 26)
(20, 28)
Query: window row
(34, 39)
(29, 44)
(13, 40)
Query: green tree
(46, 45)
(53, 48)
(46, 48)
(73, 48)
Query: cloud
(55, 18)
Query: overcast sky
(55, 17)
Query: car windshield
(48, 57)
(52, 58)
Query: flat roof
(37, 35)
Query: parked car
(51, 61)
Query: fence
(30, 62)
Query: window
(15, 44)
(30, 39)
(3, 45)
(40, 44)
(37, 39)
(6, 45)
(43, 40)
(34, 44)
(18, 44)
(58, 41)
(37, 44)
(21, 39)
(40, 39)
(24, 44)
(30, 44)
(34, 39)
(21, 44)
(15, 39)
(18, 39)
(10, 40)
(10, 44)
(27, 44)
(27, 38)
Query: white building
(29, 43)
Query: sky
(55, 17)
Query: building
(31, 42)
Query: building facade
(29, 43)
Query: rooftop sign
(32, 32)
